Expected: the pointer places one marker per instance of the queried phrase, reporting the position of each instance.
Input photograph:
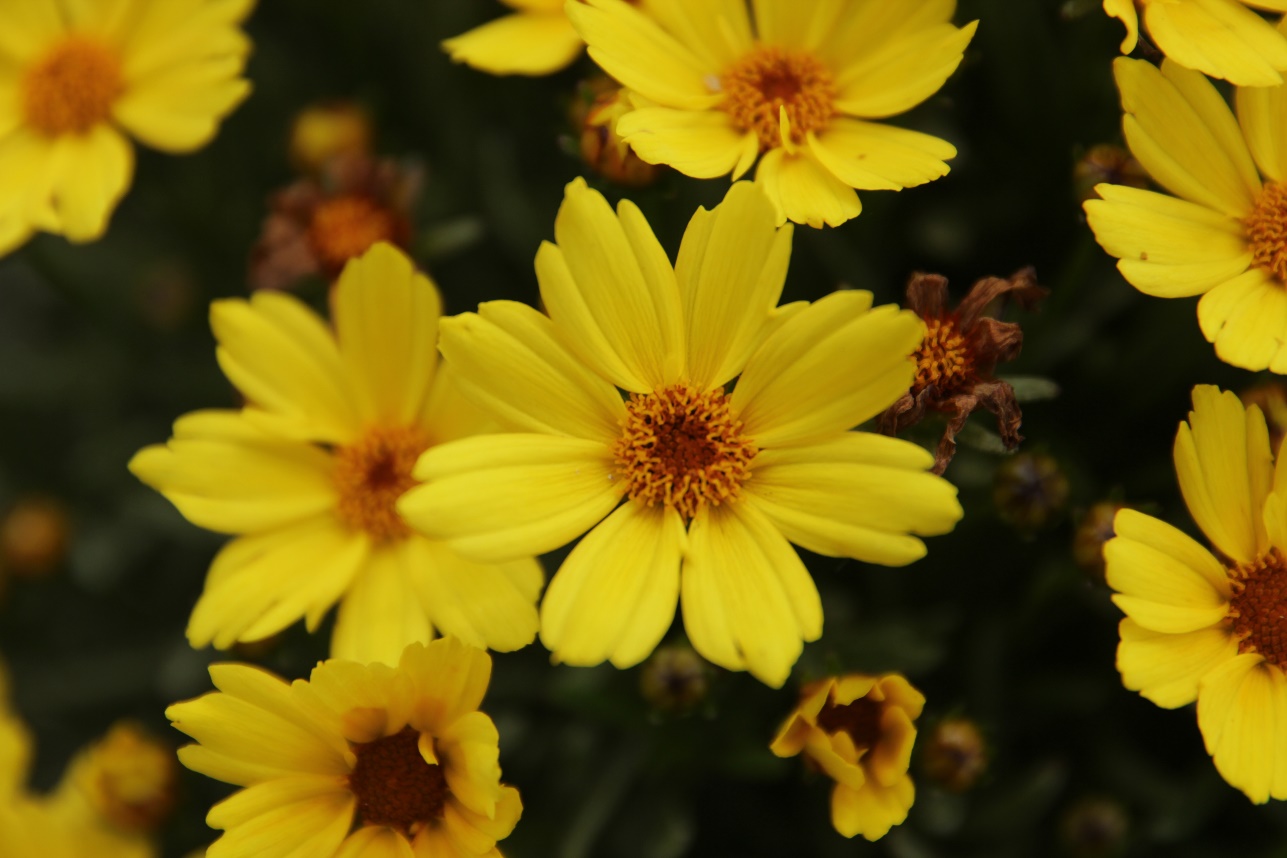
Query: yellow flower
(1222, 234)
(79, 79)
(1211, 626)
(308, 473)
(858, 730)
(536, 39)
(359, 760)
(1222, 38)
(126, 781)
(714, 481)
(795, 83)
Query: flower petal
(1125, 11)
(631, 47)
(284, 817)
(610, 291)
(507, 359)
(1262, 113)
(731, 268)
(28, 27)
(448, 681)
(858, 496)
(386, 322)
(487, 605)
(804, 191)
(1166, 668)
(523, 43)
(1241, 707)
(702, 144)
(748, 602)
(249, 484)
(902, 72)
(1219, 38)
(372, 841)
(716, 31)
(1168, 247)
(1246, 318)
(284, 359)
(872, 810)
(826, 369)
(178, 108)
(1184, 134)
(875, 156)
(1225, 468)
(495, 498)
(614, 597)
(380, 613)
(1158, 590)
(89, 173)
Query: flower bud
(954, 754)
(1095, 828)
(1094, 529)
(675, 679)
(595, 115)
(330, 130)
(1030, 491)
(33, 536)
(1106, 163)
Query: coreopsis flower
(1221, 38)
(956, 361)
(535, 39)
(307, 474)
(1210, 625)
(358, 760)
(793, 85)
(317, 224)
(714, 481)
(859, 730)
(81, 79)
(1221, 234)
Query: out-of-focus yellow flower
(1222, 38)
(82, 78)
(535, 39)
(326, 131)
(1222, 235)
(307, 475)
(859, 730)
(363, 760)
(127, 780)
(1207, 626)
(794, 85)
(689, 491)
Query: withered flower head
(316, 225)
(957, 358)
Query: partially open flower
(595, 114)
(322, 132)
(316, 225)
(956, 360)
(858, 730)
(126, 780)
(1107, 162)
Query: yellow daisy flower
(77, 80)
(794, 84)
(858, 730)
(1210, 625)
(714, 482)
(308, 473)
(1221, 234)
(536, 39)
(359, 760)
(1222, 38)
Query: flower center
(944, 358)
(346, 226)
(759, 85)
(1267, 230)
(860, 719)
(395, 786)
(683, 449)
(372, 473)
(72, 87)
(1258, 608)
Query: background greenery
(102, 346)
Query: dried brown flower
(956, 360)
(316, 225)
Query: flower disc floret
(72, 88)
(682, 449)
(395, 786)
(944, 358)
(372, 473)
(1267, 230)
(345, 227)
(1258, 607)
(770, 80)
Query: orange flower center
(346, 226)
(72, 87)
(1267, 230)
(944, 358)
(758, 86)
(395, 786)
(860, 719)
(371, 474)
(683, 449)
(1258, 608)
